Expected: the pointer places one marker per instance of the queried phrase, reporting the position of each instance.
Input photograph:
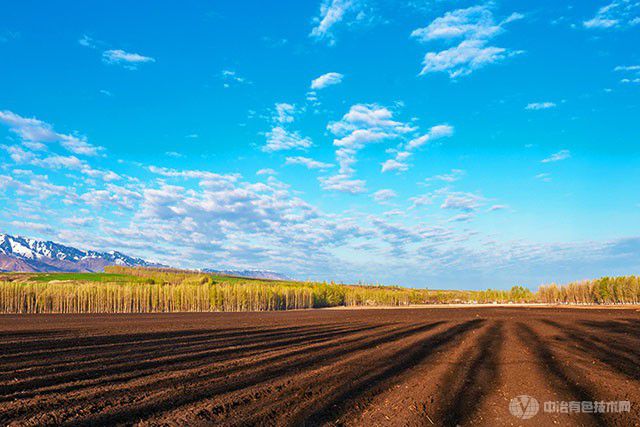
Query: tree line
(140, 290)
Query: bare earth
(318, 367)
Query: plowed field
(440, 366)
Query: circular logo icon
(524, 407)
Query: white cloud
(326, 80)
(307, 162)
(285, 113)
(332, 12)
(474, 22)
(436, 132)
(422, 200)
(33, 226)
(634, 69)
(230, 77)
(60, 162)
(627, 68)
(463, 217)
(462, 60)
(394, 165)
(614, 15)
(466, 202)
(545, 177)
(399, 162)
(128, 59)
(384, 195)
(358, 138)
(494, 208)
(18, 154)
(266, 171)
(278, 139)
(343, 183)
(87, 41)
(475, 26)
(556, 157)
(599, 22)
(369, 116)
(540, 105)
(454, 175)
(35, 133)
(362, 125)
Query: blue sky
(447, 144)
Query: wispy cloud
(556, 157)
(127, 59)
(266, 171)
(36, 133)
(540, 105)
(285, 113)
(343, 183)
(363, 125)
(278, 139)
(307, 162)
(333, 12)
(544, 177)
(399, 162)
(475, 26)
(325, 80)
(614, 15)
(454, 175)
(231, 77)
(87, 41)
(631, 71)
(627, 68)
(391, 165)
(384, 195)
(498, 208)
(435, 132)
(467, 202)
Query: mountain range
(25, 254)
(31, 255)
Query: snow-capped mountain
(24, 254)
(253, 274)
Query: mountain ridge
(25, 254)
(18, 253)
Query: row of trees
(606, 290)
(145, 291)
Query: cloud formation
(36, 134)
(556, 157)
(307, 162)
(540, 105)
(325, 80)
(278, 139)
(127, 59)
(384, 195)
(475, 27)
(332, 12)
(615, 15)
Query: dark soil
(432, 366)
